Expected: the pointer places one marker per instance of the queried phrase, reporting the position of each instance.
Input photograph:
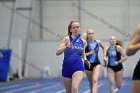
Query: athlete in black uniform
(133, 47)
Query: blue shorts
(69, 69)
(69, 72)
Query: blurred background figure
(133, 47)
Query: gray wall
(15, 28)
(105, 16)
(5, 20)
(36, 38)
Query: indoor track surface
(56, 86)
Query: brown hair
(119, 42)
(69, 27)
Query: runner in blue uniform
(92, 56)
(72, 68)
(114, 66)
(133, 47)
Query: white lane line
(19, 84)
(61, 91)
(42, 89)
(88, 91)
(19, 89)
(7, 87)
(14, 86)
